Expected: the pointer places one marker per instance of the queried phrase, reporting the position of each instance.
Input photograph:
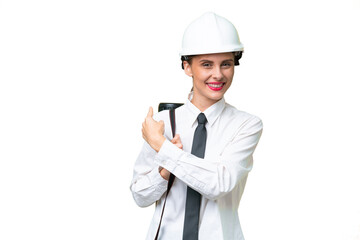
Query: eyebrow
(226, 60)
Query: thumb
(150, 113)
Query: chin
(217, 97)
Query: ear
(187, 69)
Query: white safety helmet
(211, 33)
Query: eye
(227, 64)
(206, 65)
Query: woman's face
(212, 76)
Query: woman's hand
(176, 140)
(153, 131)
(165, 174)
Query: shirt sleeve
(147, 185)
(214, 176)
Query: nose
(217, 73)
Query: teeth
(215, 85)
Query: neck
(202, 105)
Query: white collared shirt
(220, 177)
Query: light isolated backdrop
(77, 78)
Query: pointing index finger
(150, 113)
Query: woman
(226, 137)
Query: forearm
(148, 188)
(147, 185)
(215, 175)
(212, 178)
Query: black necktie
(193, 198)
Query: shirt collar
(211, 113)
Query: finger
(179, 145)
(177, 137)
(150, 113)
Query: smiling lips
(215, 86)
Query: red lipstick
(215, 86)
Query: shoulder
(242, 119)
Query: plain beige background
(77, 78)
